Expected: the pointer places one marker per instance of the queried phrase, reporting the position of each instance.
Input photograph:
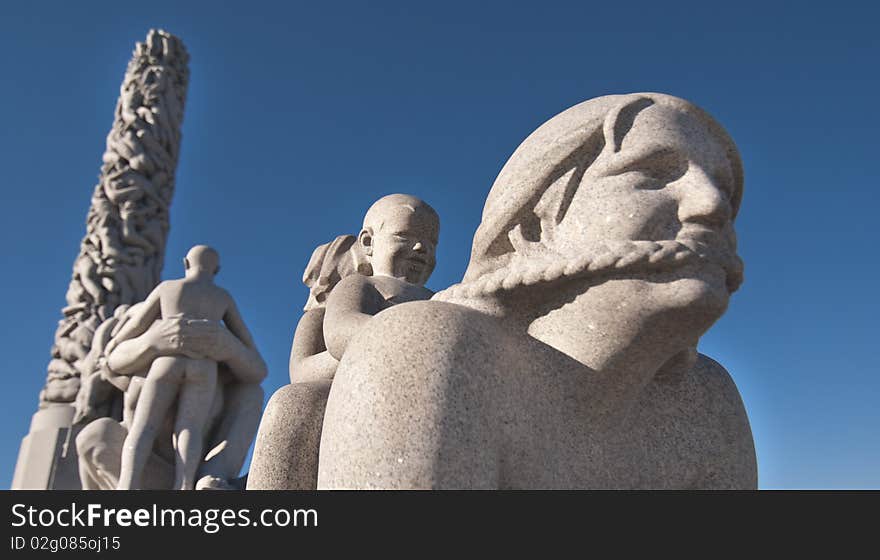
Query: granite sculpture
(172, 346)
(187, 379)
(350, 280)
(121, 255)
(566, 358)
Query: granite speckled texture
(567, 357)
(286, 450)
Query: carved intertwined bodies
(189, 378)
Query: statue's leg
(286, 451)
(130, 399)
(99, 447)
(194, 406)
(232, 437)
(158, 393)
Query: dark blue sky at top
(300, 114)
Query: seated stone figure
(388, 264)
(567, 356)
(234, 410)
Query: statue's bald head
(382, 208)
(202, 258)
(399, 238)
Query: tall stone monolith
(121, 256)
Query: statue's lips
(710, 247)
(698, 232)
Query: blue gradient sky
(299, 116)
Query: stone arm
(309, 358)
(191, 337)
(139, 321)
(351, 304)
(95, 392)
(236, 325)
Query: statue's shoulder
(715, 379)
(166, 286)
(706, 392)
(714, 396)
(726, 427)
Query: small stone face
(404, 245)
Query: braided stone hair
(625, 257)
(515, 245)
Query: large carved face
(624, 186)
(670, 178)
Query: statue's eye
(644, 181)
(659, 168)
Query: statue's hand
(164, 336)
(175, 336)
(93, 394)
(193, 338)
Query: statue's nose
(701, 199)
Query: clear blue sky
(300, 114)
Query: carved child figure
(399, 238)
(388, 264)
(189, 378)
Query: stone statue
(567, 356)
(388, 263)
(188, 378)
(233, 419)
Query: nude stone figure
(191, 379)
(233, 421)
(388, 263)
(567, 356)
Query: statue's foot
(211, 482)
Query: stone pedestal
(47, 458)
